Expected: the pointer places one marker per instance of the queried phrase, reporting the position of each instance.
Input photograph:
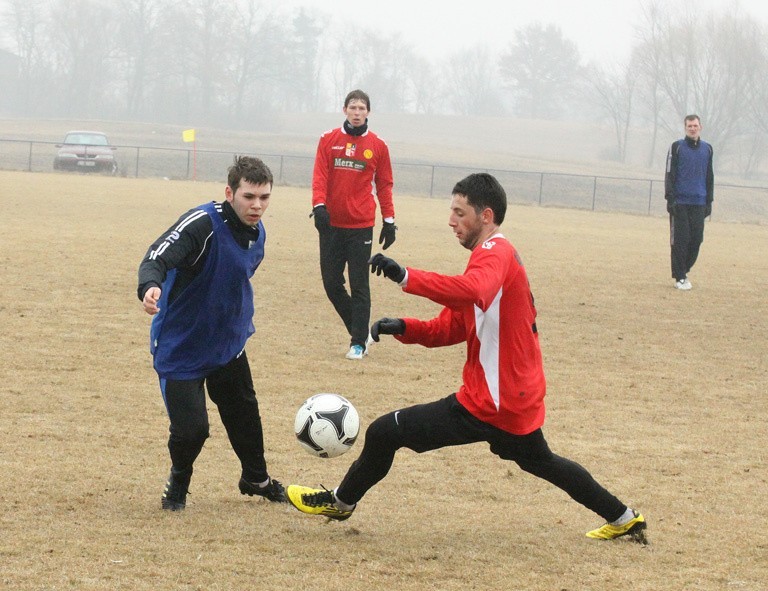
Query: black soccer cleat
(175, 493)
(274, 491)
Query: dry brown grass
(661, 394)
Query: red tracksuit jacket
(347, 168)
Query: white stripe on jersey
(487, 330)
(189, 219)
(207, 238)
(182, 224)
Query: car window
(90, 139)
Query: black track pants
(686, 233)
(350, 249)
(443, 423)
(231, 389)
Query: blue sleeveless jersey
(209, 322)
(691, 179)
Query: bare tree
(304, 58)
(25, 19)
(379, 64)
(648, 57)
(257, 61)
(197, 33)
(615, 92)
(81, 37)
(472, 77)
(140, 22)
(543, 70)
(702, 63)
(425, 86)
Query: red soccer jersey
(490, 307)
(347, 170)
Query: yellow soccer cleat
(316, 501)
(635, 528)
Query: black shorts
(446, 422)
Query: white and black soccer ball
(327, 425)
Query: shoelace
(274, 488)
(319, 499)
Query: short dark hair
(358, 95)
(483, 190)
(692, 117)
(251, 169)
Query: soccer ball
(326, 425)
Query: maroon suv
(86, 151)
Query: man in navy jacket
(688, 188)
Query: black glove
(387, 326)
(707, 210)
(387, 235)
(322, 219)
(671, 206)
(384, 265)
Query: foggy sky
(602, 29)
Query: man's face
(466, 223)
(249, 201)
(693, 129)
(356, 112)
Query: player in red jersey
(352, 170)
(501, 399)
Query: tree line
(235, 63)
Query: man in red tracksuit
(352, 170)
(501, 399)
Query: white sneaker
(683, 284)
(357, 352)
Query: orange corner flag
(188, 135)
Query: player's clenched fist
(151, 297)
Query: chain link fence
(733, 203)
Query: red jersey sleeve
(384, 182)
(445, 329)
(486, 272)
(321, 171)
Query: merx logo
(348, 163)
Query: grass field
(660, 393)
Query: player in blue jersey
(689, 185)
(195, 282)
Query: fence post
(432, 183)
(137, 161)
(594, 192)
(187, 177)
(541, 185)
(650, 195)
(29, 161)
